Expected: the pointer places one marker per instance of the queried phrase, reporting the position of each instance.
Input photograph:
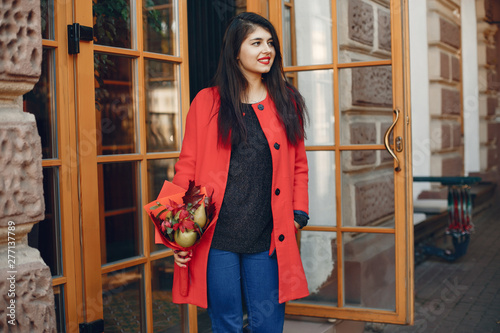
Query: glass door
(131, 97)
(347, 59)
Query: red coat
(203, 161)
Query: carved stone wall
(366, 110)
(445, 97)
(27, 300)
(488, 12)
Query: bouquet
(181, 218)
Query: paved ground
(463, 296)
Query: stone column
(26, 296)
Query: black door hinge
(93, 327)
(76, 33)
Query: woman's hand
(297, 226)
(181, 258)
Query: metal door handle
(386, 141)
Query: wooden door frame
(403, 232)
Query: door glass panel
(317, 89)
(367, 189)
(46, 234)
(41, 102)
(160, 26)
(365, 104)
(167, 316)
(289, 58)
(162, 105)
(158, 172)
(322, 198)
(309, 25)
(122, 298)
(120, 231)
(47, 18)
(364, 30)
(59, 307)
(369, 270)
(112, 23)
(115, 104)
(318, 251)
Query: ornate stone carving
(21, 47)
(449, 33)
(34, 295)
(21, 187)
(384, 29)
(374, 199)
(452, 166)
(372, 86)
(450, 101)
(456, 72)
(445, 136)
(361, 22)
(363, 133)
(445, 65)
(26, 282)
(492, 104)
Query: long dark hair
(231, 84)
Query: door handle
(386, 141)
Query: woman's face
(256, 53)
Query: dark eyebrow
(260, 38)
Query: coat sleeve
(185, 168)
(301, 179)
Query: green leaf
(163, 211)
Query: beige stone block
(434, 99)
(435, 63)
(436, 135)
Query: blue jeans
(229, 275)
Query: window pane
(365, 104)
(115, 104)
(41, 102)
(364, 30)
(310, 33)
(322, 197)
(47, 18)
(158, 172)
(46, 235)
(59, 307)
(369, 270)
(318, 251)
(167, 316)
(162, 105)
(120, 231)
(112, 23)
(160, 26)
(367, 189)
(123, 300)
(288, 57)
(317, 89)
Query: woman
(244, 141)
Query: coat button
(281, 238)
(277, 192)
(276, 146)
(260, 107)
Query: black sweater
(245, 220)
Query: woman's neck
(255, 92)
